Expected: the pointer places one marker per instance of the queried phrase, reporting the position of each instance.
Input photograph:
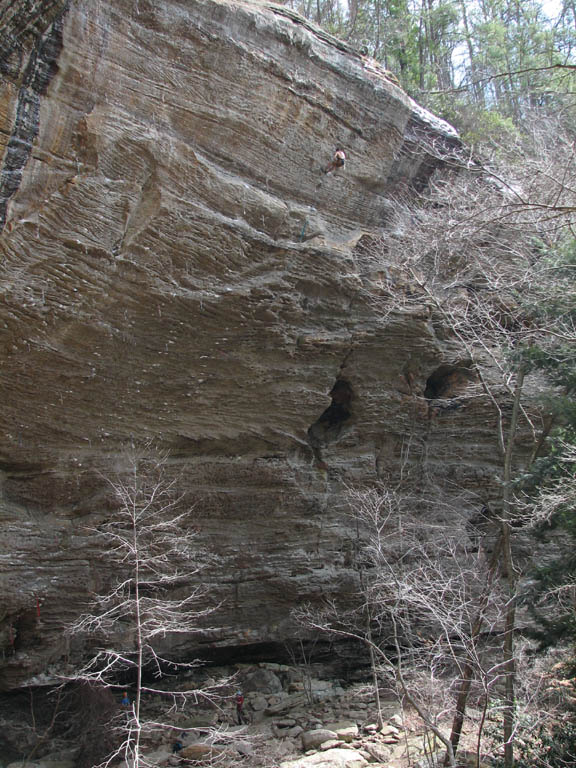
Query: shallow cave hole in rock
(328, 428)
(448, 380)
(343, 658)
(25, 631)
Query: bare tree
(154, 593)
(475, 255)
(423, 589)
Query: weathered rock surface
(262, 681)
(176, 266)
(378, 752)
(332, 758)
(314, 739)
(42, 764)
(344, 731)
(204, 752)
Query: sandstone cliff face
(177, 266)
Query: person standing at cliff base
(240, 708)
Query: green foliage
(552, 465)
(552, 306)
(481, 126)
(559, 363)
(558, 271)
(497, 60)
(550, 600)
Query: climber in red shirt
(240, 707)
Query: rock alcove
(449, 380)
(334, 420)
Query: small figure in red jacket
(240, 707)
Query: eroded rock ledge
(177, 266)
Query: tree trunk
(139, 643)
(375, 682)
(477, 88)
(507, 562)
(468, 674)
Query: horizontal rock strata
(177, 266)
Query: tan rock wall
(176, 266)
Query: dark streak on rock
(41, 68)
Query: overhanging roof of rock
(176, 265)
(174, 253)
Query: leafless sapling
(153, 593)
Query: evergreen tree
(494, 60)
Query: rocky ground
(293, 720)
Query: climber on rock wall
(337, 161)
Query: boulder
(356, 715)
(425, 742)
(378, 752)
(435, 760)
(330, 744)
(315, 722)
(258, 703)
(333, 758)
(262, 681)
(346, 731)
(283, 732)
(244, 749)
(468, 760)
(277, 698)
(43, 764)
(204, 721)
(287, 704)
(313, 739)
(257, 716)
(275, 667)
(286, 722)
(204, 752)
